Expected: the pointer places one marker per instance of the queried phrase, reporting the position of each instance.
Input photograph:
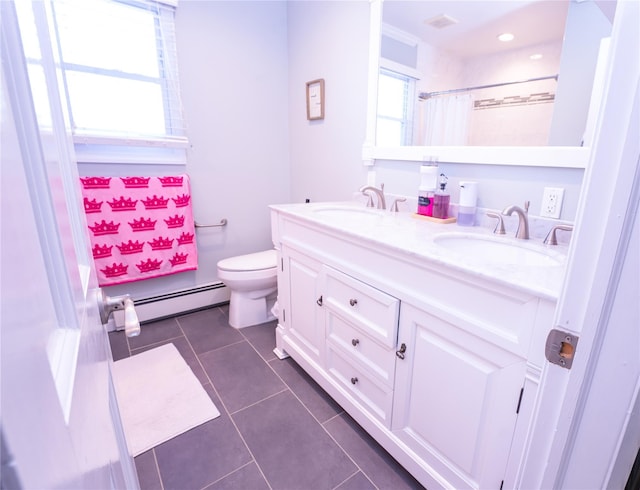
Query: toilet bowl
(252, 280)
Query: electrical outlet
(552, 202)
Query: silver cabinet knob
(353, 302)
(354, 380)
(355, 342)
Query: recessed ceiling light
(506, 37)
(536, 56)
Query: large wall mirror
(445, 87)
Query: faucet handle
(499, 229)
(526, 206)
(394, 206)
(369, 199)
(551, 236)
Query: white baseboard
(177, 302)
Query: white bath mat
(159, 397)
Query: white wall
(233, 75)
(586, 25)
(232, 58)
(498, 186)
(330, 40)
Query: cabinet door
(304, 322)
(456, 400)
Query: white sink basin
(498, 250)
(348, 212)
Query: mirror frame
(530, 156)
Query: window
(117, 71)
(395, 110)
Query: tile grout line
(347, 454)
(235, 471)
(155, 461)
(321, 424)
(358, 470)
(213, 386)
(260, 401)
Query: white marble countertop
(417, 237)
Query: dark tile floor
(278, 429)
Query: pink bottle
(427, 189)
(441, 200)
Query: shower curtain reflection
(446, 120)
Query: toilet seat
(258, 261)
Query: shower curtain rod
(427, 95)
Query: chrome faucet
(523, 219)
(551, 236)
(382, 204)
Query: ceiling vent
(441, 21)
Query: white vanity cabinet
(456, 399)
(300, 299)
(361, 328)
(439, 365)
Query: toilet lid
(250, 262)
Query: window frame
(396, 71)
(104, 146)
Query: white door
(585, 432)
(60, 423)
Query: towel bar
(223, 222)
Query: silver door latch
(561, 348)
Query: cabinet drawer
(370, 393)
(371, 310)
(377, 360)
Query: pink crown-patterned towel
(140, 227)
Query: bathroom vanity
(431, 336)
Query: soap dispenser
(468, 201)
(441, 200)
(426, 191)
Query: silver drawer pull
(319, 301)
(354, 380)
(355, 342)
(353, 302)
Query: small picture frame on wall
(315, 99)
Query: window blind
(117, 62)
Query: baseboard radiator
(176, 303)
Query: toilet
(252, 280)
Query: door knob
(109, 304)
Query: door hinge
(282, 264)
(520, 400)
(560, 348)
(284, 316)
